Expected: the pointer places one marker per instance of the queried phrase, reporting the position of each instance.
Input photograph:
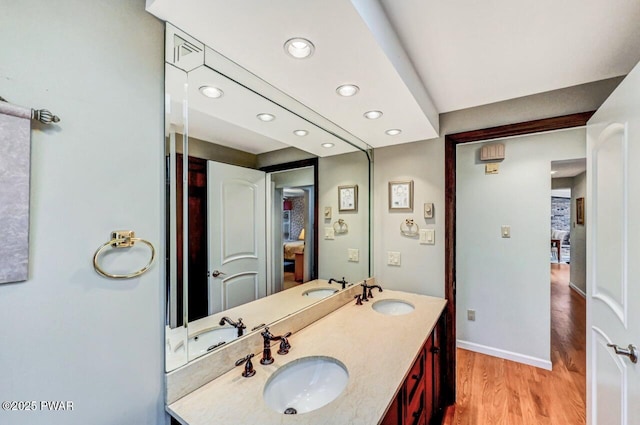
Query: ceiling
(414, 59)
(568, 168)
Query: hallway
(496, 391)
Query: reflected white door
(613, 256)
(237, 242)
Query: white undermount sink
(305, 384)
(393, 307)
(319, 292)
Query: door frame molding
(310, 162)
(451, 141)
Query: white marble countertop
(378, 351)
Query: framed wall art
(348, 198)
(401, 195)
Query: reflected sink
(209, 339)
(393, 307)
(319, 292)
(305, 384)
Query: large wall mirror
(263, 195)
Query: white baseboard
(578, 290)
(503, 354)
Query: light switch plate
(471, 315)
(427, 236)
(354, 255)
(428, 210)
(491, 168)
(393, 258)
(505, 231)
(329, 233)
(327, 213)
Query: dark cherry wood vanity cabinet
(420, 400)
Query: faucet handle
(249, 371)
(359, 299)
(284, 345)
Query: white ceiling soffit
(471, 53)
(568, 168)
(350, 48)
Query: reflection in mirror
(243, 207)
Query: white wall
(67, 333)
(578, 260)
(334, 171)
(506, 280)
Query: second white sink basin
(319, 292)
(393, 307)
(305, 384)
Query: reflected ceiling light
(212, 92)
(373, 115)
(327, 145)
(299, 48)
(393, 132)
(347, 90)
(266, 117)
(300, 132)
(553, 171)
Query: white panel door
(237, 242)
(613, 257)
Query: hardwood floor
(496, 391)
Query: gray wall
(506, 280)
(69, 334)
(422, 268)
(578, 271)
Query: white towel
(15, 159)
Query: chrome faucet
(366, 290)
(343, 282)
(268, 337)
(238, 325)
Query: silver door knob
(216, 273)
(631, 352)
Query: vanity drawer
(416, 410)
(415, 380)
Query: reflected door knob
(216, 273)
(631, 352)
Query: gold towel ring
(340, 226)
(410, 228)
(123, 239)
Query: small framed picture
(580, 211)
(401, 195)
(348, 198)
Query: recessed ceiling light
(212, 92)
(266, 117)
(299, 48)
(301, 132)
(327, 145)
(393, 132)
(553, 171)
(373, 115)
(347, 90)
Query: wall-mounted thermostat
(428, 210)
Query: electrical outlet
(393, 258)
(471, 315)
(329, 233)
(505, 230)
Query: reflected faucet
(238, 325)
(343, 282)
(268, 337)
(366, 290)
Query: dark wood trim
(451, 141)
(311, 162)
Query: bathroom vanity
(390, 347)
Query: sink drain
(290, 411)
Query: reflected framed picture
(348, 198)
(580, 211)
(401, 195)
